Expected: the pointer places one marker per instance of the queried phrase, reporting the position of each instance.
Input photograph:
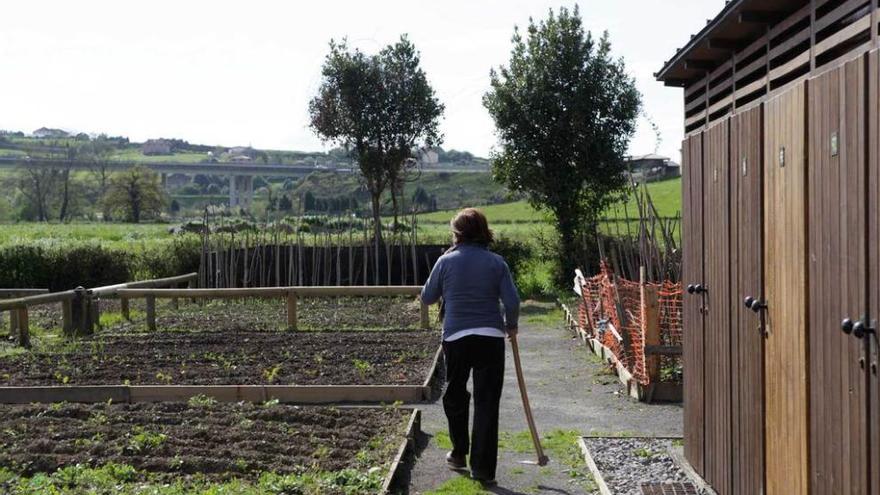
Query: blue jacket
(471, 279)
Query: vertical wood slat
(692, 245)
(23, 331)
(650, 318)
(785, 231)
(125, 308)
(716, 314)
(424, 319)
(747, 341)
(291, 311)
(151, 312)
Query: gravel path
(571, 394)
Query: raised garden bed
(229, 358)
(199, 446)
(635, 466)
(303, 367)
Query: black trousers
(485, 356)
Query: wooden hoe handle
(542, 459)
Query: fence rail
(290, 294)
(80, 310)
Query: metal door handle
(697, 289)
(858, 329)
(755, 305)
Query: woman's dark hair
(470, 226)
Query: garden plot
(229, 358)
(354, 349)
(199, 446)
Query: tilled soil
(216, 440)
(230, 358)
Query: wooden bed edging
(594, 469)
(659, 391)
(294, 394)
(413, 427)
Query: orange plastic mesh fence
(610, 311)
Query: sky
(231, 73)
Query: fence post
(67, 324)
(291, 310)
(80, 312)
(151, 313)
(24, 334)
(424, 315)
(125, 307)
(13, 323)
(94, 313)
(650, 310)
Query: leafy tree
(135, 193)
(309, 201)
(284, 204)
(175, 207)
(380, 107)
(565, 111)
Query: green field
(135, 155)
(519, 220)
(515, 220)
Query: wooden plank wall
(785, 232)
(837, 261)
(873, 188)
(716, 313)
(747, 340)
(692, 225)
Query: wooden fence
(289, 294)
(80, 309)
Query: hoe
(542, 459)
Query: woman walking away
(471, 280)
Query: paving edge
(677, 455)
(413, 427)
(594, 469)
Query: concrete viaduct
(241, 175)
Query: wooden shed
(781, 199)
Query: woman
(471, 280)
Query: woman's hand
(511, 333)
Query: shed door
(692, 232)
(837, 261)
(873, 200)
(747, 342)
(785, 249)
(716, 312)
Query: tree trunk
(377, 234)
(65, 198)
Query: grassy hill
(666, 196)
(451, 189)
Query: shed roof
(739, 23)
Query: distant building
(240, 158)
(429, 157)
(156, 147)
(45, 132)
(648, 168)
(242, 151)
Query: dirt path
(571, 394)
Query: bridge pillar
(233, 191)
(164, 181)
(248, 192)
